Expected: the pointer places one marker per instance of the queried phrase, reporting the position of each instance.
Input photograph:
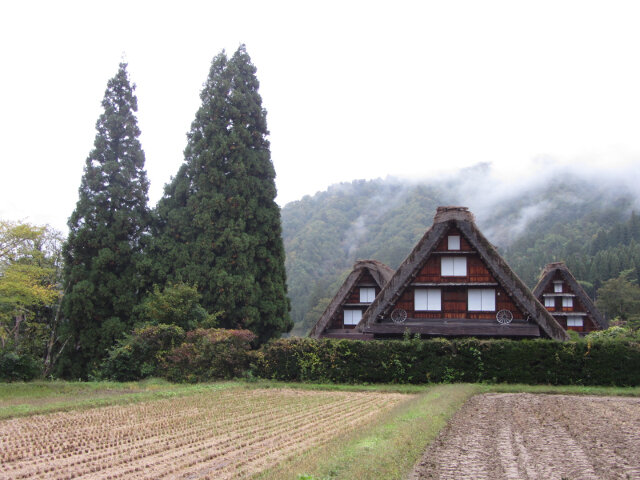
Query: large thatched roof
(460, 218)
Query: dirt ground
(525, 436)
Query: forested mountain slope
(584, 220)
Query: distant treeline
(605, 256)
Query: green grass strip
(24, 399)
(561, 389)
(386, 449)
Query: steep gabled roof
(380, 272)
(559, 267)
(463, 220)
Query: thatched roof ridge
(547, 275)
(380, 272)
(461, 218)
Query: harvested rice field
(230, 433)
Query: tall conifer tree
(218, 223)
(103, 251)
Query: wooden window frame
(487, 295)
(370, 293)
(350, 312)
(455, 240)
(573, 320)
(456, 264)
(433, 300)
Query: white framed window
(453, 242)
(429, 299)
(575, 322)
(567, 302)
(481, 300)
(557, 287)
(549, 301)
(367, 294)
(352, 317)
(453, 266)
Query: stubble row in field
(221, 434)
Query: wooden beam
(459, 329)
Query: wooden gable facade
(566, 300)
(346, 309)
(454, 283)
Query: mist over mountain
(560, 214)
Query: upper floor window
(367, 294)
(481, 300)
(352, 317)
(427, 299)
(567, 302)
(549, 301)
(453, 266)
(453, 242)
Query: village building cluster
(454, 284)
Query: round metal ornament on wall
(398, 316)
(504, 317)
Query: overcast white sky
(352, 89)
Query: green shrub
(18, 367)
(176, 304)
(141, 354)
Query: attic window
(557, 287)
(567, 302)
(481, 300)
(427, 299)
(352, 317)
(575, 322)
(453, 266)
(367, 294)
(453, 242)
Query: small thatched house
(566, 300)
(454, 283)
(354, 296)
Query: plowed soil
(526, 436)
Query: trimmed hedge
(582, 362)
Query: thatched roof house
(454, 283)
(566, 300)
(354, 296)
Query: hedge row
(579, 362)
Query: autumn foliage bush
(170, 352)
(208, 354)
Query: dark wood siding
(454, 304)
(353, 297)
(443, 246)
(476, 271)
